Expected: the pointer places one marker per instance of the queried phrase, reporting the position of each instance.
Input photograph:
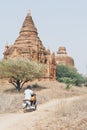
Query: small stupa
(63, 57)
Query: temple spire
(28, 26)
(29, 12)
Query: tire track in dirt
(30, 121)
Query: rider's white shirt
(28, 93)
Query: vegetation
(21, 70)
(69, 76)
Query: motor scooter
(30, 105)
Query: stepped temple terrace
(29, 45)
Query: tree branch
(24, 82)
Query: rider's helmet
(28, 87)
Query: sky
(59, 23)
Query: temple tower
(29, 45)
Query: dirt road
(38, 120)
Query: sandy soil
(57, 110)
(46, 117)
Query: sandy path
(31, 120)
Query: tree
(69, 75)
(21, 70)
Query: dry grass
(72, 114)
(69, 113)
(10, 103)
(11, 99)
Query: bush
(69, 75)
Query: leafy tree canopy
(21, 70)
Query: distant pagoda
(63, 58)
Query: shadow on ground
(34, 87)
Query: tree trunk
(18, 85)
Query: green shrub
(69, 75)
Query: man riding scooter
(30, 99)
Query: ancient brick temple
(29, 45)
(63, 57)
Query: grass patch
(37, 87)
